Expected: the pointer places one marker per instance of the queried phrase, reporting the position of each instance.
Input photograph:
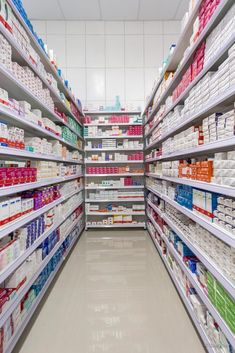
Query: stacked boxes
(222, 301)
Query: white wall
(105, 59)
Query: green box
(230, 319)
(220, 289)
(210, 278)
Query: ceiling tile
(157, 10)
(43, 10)
(80, 9)
(119, 10)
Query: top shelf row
(29, 48)
(193, 34)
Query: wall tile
(114, 27)
(77, 79)
(134, 27)
(95, 51)
(171, 27)
(75, 51)
(153, 50)
(150, 76)
(114, 51)
(94, 27)
(115, 84)
(56, 27)
(95, 84)
(153, 27)
(134, 51)
(57, 43)
(75, 27)
(134, 84)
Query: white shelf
(201, 330)
(44, 58)
(31, 128)
(137, 213)
(178, 52)
(19, 222)
(210, 265)
(113, 149)
(117, 225)
(115, 112)
(107, 175)
(9, 190)
(115, 162)
(223, 99)
(14, 153)
(113, 124)
(220, 189)
(18, 261)
(161, 213)
(113, 137)
(221, 145)
(213, 22)
(115, 187)
(219, 232)
(12, 342)
(117, 200)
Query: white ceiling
(106, 9)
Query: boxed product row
(115, 220)
(29, 201)
(219, 170)
(14, 245)
(95, 131)
(220, 253)
(113, 170)
(113, 119)
(116, 194)
(125, 144)
(25, 111)
(127, 181)
(90, 207)
(116, 157)
(14, 137)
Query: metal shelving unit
(93, 219)
(17, 90)
(179, 62)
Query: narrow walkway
(113, 296)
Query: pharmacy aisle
(119, 299)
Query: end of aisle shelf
(189, 169)
(106, 135)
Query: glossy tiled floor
(113, 296)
